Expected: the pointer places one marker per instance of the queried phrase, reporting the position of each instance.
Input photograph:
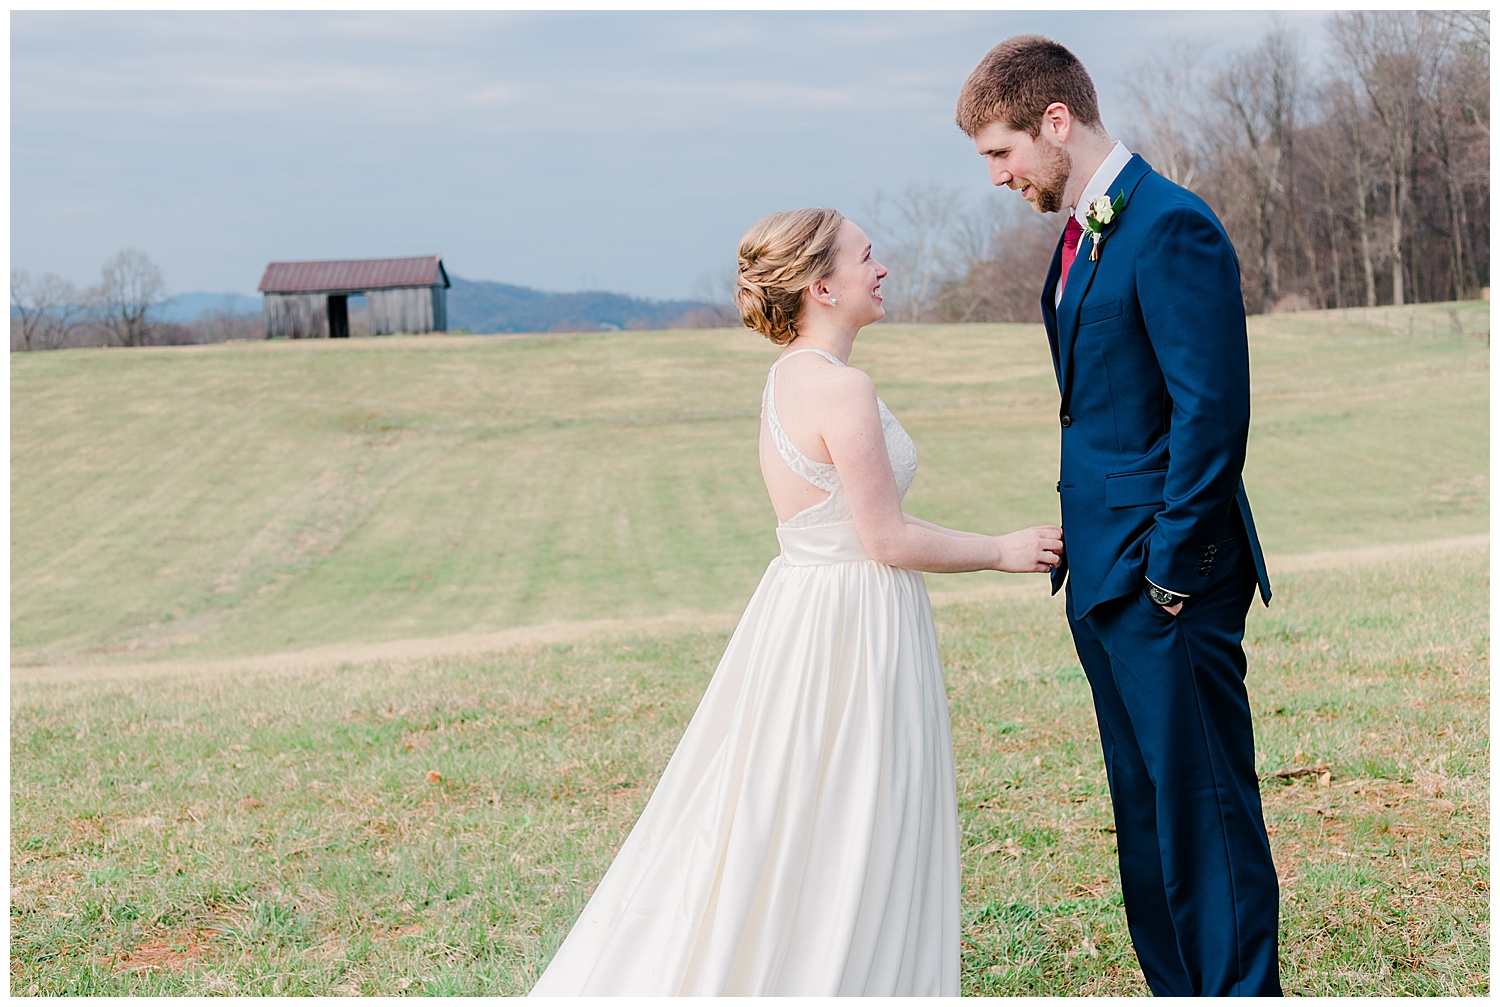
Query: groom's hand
(1164, 599)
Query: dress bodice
(824, 475)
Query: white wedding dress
(803, 838)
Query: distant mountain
(484, 306)
(193, 306)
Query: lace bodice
(834, 510)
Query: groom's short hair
(1018, 79)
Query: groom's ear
(1057, 122)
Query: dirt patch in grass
(171, 953)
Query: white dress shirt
(1098, 185)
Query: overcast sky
(566, 151)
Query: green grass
(277, 833)
(252, 498)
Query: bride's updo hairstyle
(779, 257)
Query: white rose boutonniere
(1101, 213)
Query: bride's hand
(1030, 550)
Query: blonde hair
(779, 257)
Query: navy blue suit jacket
(1153, 364)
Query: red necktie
(1071, 234)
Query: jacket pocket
(1135, 489)
(1099, 312)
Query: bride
(804, 836)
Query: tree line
(1362, 181)
(48, 312)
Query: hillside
(485, 306)
(482, 306)
(252, 498)
(194, 305)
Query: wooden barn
(310, 300)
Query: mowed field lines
(245, 499)
(344, 668)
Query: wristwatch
(1161, 596)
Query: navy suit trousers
(1201, 895)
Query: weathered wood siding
(407, 309)
(296, 316)
(402, 309)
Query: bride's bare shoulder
(848, 401)
(831, 380)
(851, 382)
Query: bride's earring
(833, 302)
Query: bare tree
(913, 234)
(46, 309)
(714, 289)
(992, 243)
(1007, 286)
(1166, 91)
(130, 287)
(1459, 121)
(1384, 175)
(1470, 32)
(976, 231)
(1328, 169)
(1389, 53)
(1259, 92)
(223, 323)
(1352, 167)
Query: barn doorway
(338, 316)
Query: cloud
(537, 148)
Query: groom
(1142, 306)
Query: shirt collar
(1098, 185)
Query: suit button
(1067, 420)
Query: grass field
(181, 823)
(252, 498)
(279, 833)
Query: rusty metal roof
(353, 275)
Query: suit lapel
(1082, 273)
(1079, 277)
(1049, 308)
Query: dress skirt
(803, 839)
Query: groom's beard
(1050, 179)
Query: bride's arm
(1051, 537)
(850, 422)
(945, 531)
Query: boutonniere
(1102, 212)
